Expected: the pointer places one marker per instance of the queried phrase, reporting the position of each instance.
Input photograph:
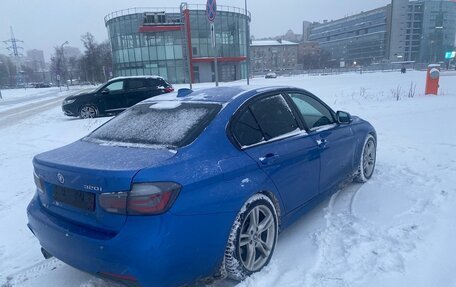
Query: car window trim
(291, 134)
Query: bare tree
(7, 71)
(58, 67)
(91, 57)
(105, 59)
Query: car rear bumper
(165, 250)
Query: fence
(386, 67)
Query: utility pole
(63, 64)
(13, 45)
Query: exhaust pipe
(46, 254)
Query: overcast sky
(43, 24)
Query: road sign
(211, 10)
(450, 55)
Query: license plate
(76, 198)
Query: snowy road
(396, 230)
(24, 99)
(13, 115)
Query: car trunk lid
(73, 177)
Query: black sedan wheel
(252, 239)
(87, 112)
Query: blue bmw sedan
(194, 185)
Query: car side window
(274, 116)
(314, 113)
(134, 84)
(246, 130)
(116, 86)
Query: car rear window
(170, 124)
(158, 83)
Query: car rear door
(269, 133)
(137, 91)
(336, 142)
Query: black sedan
(114, 96)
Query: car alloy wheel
(368, 158)
(253, 238)
(88, 112)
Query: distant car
(195, 184)
(114, 96)
(41, 85)
(271, 75)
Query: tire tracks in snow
(40, 272)
(31, 272)
(352, 248)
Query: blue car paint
(187, 242)
(146, 248)
(297, 160)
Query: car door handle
(269, 158)
(321, 142)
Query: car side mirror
(105, 92)
(343, 117)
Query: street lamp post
(247, 35)
(63, 64)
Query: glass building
(360, 38)
(438, 30)
(175, 43)
(403, 31)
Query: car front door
(335, 141)
(269, 133)
(113, 96)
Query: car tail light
(115, 202)
(143, 199)
(38, 182)
(169, 89)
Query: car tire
(88, 111)
(252, 239)
(367, 161)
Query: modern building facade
(175, 43)
(360, 38)
(419, 31)
(273, 55)
(414, 32)
(439, 30)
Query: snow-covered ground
(20, 98)
(395, 230)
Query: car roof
(136, 77)
(217, 94)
